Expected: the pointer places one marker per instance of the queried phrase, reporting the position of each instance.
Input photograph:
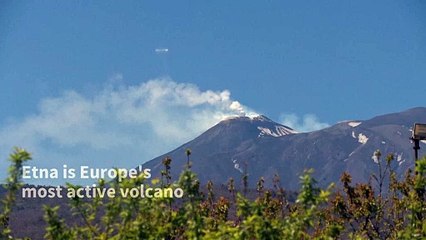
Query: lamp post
(419, 133)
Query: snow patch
(362, 138)
(237, 166)
(400, 159)
(375, 159)
(251, 117)
(278, 132)
(423, 141)
(354, 124)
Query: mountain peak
(262, 118)
(258, 125)
(257, 117)
(267, 148)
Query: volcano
(261, 147)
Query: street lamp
(419, 133)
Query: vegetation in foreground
(384, 208)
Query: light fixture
(419, 131)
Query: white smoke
(136, 122)
(307, 123)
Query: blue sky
(68, 70)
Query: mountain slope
(264, 148)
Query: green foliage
(384, 208)
(55, 226)
(13, 184)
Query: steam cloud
(308, 123)
(139, 122)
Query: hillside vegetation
(386, 207)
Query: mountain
(264, 148)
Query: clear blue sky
(335, 59)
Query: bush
(353, 211)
